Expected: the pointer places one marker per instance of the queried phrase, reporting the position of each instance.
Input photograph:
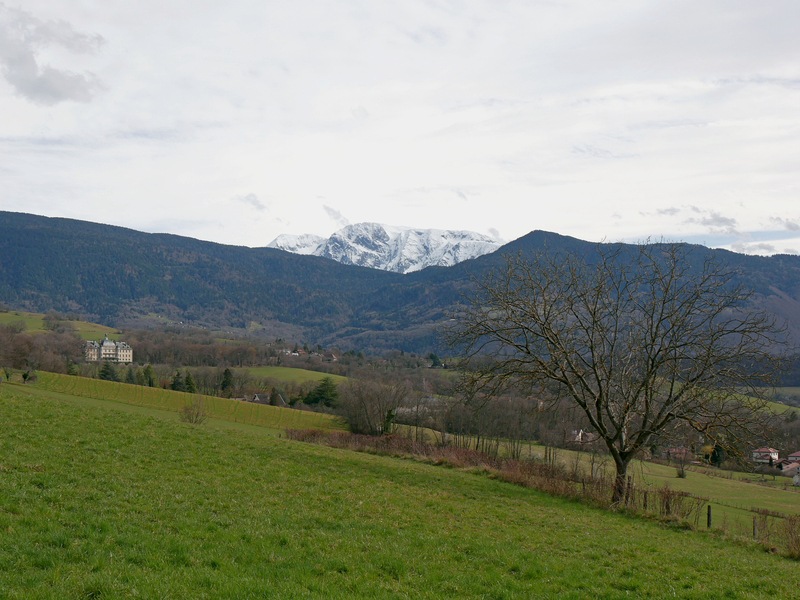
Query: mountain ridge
(123, 277)
(390, 248)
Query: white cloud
(253, 201)
(336, 216)
(597, 120)
(21, 38)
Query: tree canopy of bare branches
(640, 338)
(370, 406)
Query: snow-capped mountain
(307, 243)
(398, 249)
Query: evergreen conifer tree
(189, 383)
(108, 372)
(177, 382)
(227, 382)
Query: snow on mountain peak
(298, 244)
(391, 248)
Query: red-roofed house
(763, 455)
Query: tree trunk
(620, 482)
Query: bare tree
(370, 406)
(640, 338)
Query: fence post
(755, 528)
(708, 521)
(645, 500)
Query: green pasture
(98, 503)
(34, 324)
(287, 374)
(733, 495)
(164, 415)
(225, 409)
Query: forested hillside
(122, 277)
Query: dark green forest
(123, 277)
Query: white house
(108, 350)
(764, 455)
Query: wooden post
(645, 500)
(708, 522)
(755, 528)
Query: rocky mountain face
(396, 249)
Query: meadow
(289, 374)
(733, 496)
(98, 503)
(34, 323)
(225, 409)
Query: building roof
(766, 451)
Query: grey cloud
(336, 216)
(21, 35)
(668, 211)
(746, 248)
(494, 233)
(460, 194)
(360, 113)
(786, 82)
(786, 223)
(253, 201)
(715, 222)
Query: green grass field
(167, 400)
(97, 503)
(732, 499)
(286, 374)
(35, 324)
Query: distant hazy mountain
(397, 249)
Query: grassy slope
(290, 374)
(168, 400)
(731, 498)
(35, 324)
(97, 503)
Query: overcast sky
(237, 121)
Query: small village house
(765, 455)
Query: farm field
(35, 324)
(732, 495)
(146, 411)
(224, 409)
(732, 499)
(97, 503)
(286, 374)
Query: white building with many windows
(108, 350)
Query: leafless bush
(194, 411)
(791, 532)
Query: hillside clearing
(34, 323)
(287, 374)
